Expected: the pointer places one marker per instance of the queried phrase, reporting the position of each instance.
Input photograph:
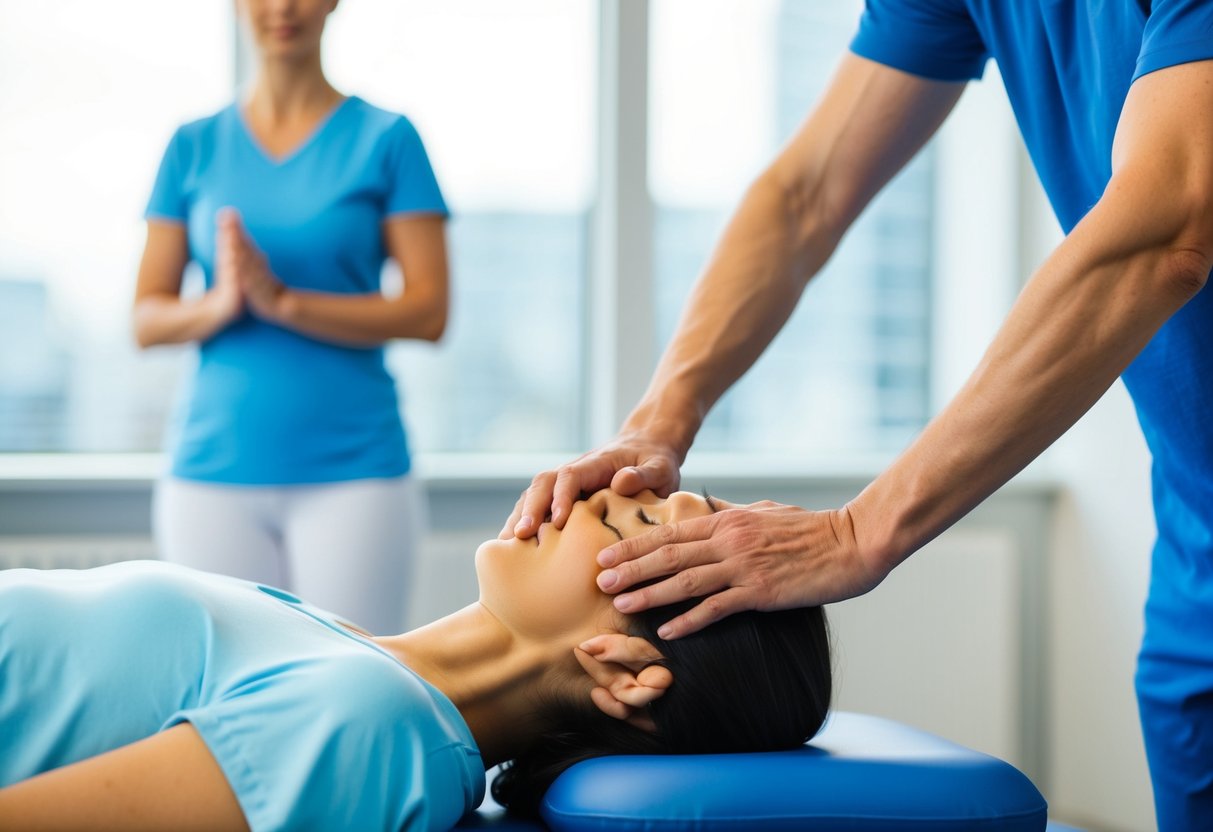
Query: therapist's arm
(870, 121)
(167, 781)
(417, 242)
(160, 315)
(1138, 256)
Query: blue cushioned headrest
(859, 774)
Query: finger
(535, 504)
(632, 652)
(634, 548)
(582, 476)
(507, 531)
(608, 704)
(226, 217)
(596, 670)
(636, 694)
(656, 677)
(689, 583)
(709, 611)
(567, 488)
(657, 473)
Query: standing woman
(289, 460)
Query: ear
(625, 676)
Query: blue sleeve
(413, 186)
(332, 745)
(168, 193)
(935, 39)
(1177, 32)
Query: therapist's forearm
(1090, 309)
(756, 274)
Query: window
(730, 82)
(89, 95)
(506, 98)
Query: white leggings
(346, 547)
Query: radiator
(71, 552)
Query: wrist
(878, 540)
(664, 423)
(217, 311)
(285, 308)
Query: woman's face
(286, 28)
(545, 586)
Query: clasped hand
(242, 273)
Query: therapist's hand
(631, 463)
(763, 556)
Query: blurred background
(591, 152)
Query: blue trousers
(1175, 696)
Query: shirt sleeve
(935, 39)
(331, 745)
(1177, 32)
(167, 201)
(413, 185)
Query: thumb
(656, 474)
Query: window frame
(620, 345)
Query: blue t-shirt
(314, 726)
(266, 405)
(1067, 66)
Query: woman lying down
(147, 696)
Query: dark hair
(755, 681)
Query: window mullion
(619, 314)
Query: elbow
(436, 330)
(1186, 271)
(141, 329)
(809, 206)
(433, 326)
(1188, 257)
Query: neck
(288, 89)
(489, 673)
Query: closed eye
(608, 525)
(644, 518)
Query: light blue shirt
(269, 406)
(313, 726)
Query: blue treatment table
(859, 774)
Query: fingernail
(608, 579)
(557, 515)
(523, 525)
(606, 558)
(623, 603)
(665, 631)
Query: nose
(683, 505)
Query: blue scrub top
(313, 726)
(266, 405)
(1067, 67)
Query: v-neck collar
(298, 149)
